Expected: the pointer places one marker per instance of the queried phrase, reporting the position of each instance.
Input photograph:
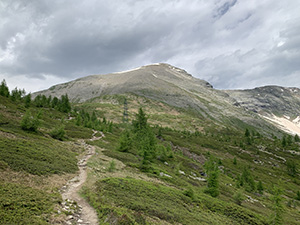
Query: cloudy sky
(230, 43)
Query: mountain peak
(157, 69)
(152, 79)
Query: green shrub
(29, 122)
(190, 193)
(58, 133)
(238, 197)
(112, 166)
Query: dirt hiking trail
(80, 212)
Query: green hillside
(165, 165)
(252, 171)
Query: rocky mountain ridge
(176, 87)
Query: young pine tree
(17, 94)
(4, 91)
(291, 168)
(283, 142)
(247, 133)
(140, 121)
(65, 105)
(298, 196)
(212, 171)
(276, 217)
(234, 161)
(125, 142)
(27, 100)
(247, 180)
(260, 187)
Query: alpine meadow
(153, 145)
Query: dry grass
(46, 183)
(7, 135)
(98, 169)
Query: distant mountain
(278, 105)
(269, 100)
(176, 87)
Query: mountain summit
(160, 78)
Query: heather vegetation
(153, 168)
(29, 156)
(226, 172)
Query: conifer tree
(247, 180)
(17, 94)
(4, 91)
(289, 140)
(212, 171)
(298, 196)
(78, 120)
(260, 187)
(234, 161)
(277, 206)
(140, 122)
(291, 168)
(247, 133)
(49, 101)
(64, 104)
(38, 101)
(44, 101)
(94, 117)
(27, 100)
(125, 142)
(283, 142)
(54, 102)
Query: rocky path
(80, 211)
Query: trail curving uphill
(81, 212)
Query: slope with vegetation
(157, 163)
(219, 174)
(34, 164)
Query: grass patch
(24, 205)
(38, 156)
(166, 203)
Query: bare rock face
(280, 106)
(269, 100)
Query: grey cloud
(279, 66)
(228, 42)
(224, 8)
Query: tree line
(61, 104)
